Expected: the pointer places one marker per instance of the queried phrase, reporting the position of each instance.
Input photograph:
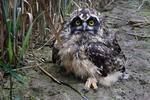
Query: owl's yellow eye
(77, 23)
(91, 22)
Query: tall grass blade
(11, 3)
(6, 5)
(59, 3)
(14, 18)
(11, 72)
(10, 51)
(54, 4)
(30, 17)
(65, 2)
(9, 25)
(18, 23)
(22, 6)
(27, 38)
(4, 13)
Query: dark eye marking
(76, 21)
(92, 21)
(76, 24)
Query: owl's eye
(77, 22)
(91, 22)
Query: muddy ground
(134, 41)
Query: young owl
(90, 50)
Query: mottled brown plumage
(90, 50)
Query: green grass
(11, 71)
(27, 38)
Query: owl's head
(85, 20)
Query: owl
(90, 51)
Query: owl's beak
(84, 26)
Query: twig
(139, 23)
(61, 16)
(24, 68)
(138, 36)
(54, 31)
(75, 4)
(37, 59)
(48, 74)
(45, 44)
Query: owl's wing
(105, 57)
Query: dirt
(134, 41)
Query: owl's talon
(94, 85)
(91, 82)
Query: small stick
(23, 68)
(48, 74)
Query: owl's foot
(91, 82)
